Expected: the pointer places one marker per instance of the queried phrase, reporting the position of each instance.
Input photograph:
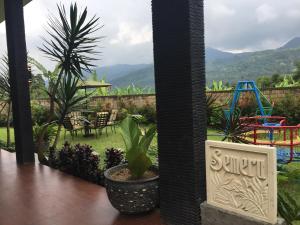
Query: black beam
(178, 31)
(17, 57)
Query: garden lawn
(115, 140)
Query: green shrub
(148, 112)
(288, 107)
(3, 121)
(39, 113)
(288, 208)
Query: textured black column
(17, 56)
(180, 91)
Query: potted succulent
(133, 187)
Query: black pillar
(17, 56)
(181, 106)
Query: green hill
(220, 65)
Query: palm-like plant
(5, 94)
(232, 128)
(66, 98)
(72, 45)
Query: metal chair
(100, 122)
(112, 121)
(69, 126)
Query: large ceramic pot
(133, 196)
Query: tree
(66, 98)
(296, 75)
(71, 44)
(5, 93)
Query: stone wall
(117, 102)
(272, 94)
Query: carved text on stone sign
(246, 166)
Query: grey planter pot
(132, 197)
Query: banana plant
(137, 146)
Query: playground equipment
(264, 129)
(273, 131)
(250, 86)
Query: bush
(11, 148)
(113, 157)
(288, 107)
(149, 113)
(79, 160)
(3, 120)
(39, 113)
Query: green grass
(115, 140)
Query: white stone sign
(243, 179)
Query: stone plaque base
(211, 215)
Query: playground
(263, 128)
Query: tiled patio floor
(39, 195)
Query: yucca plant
(288, 208)
(66, 98)
(137, 146)
(71, 44)
(5, 93)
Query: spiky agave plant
(232, 128)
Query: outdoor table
(87, 123)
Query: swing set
(264, 129)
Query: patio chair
(112, 120)
(69, 126)
(76, 118)
(100, 122)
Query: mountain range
(220, 65)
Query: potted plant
(133, 187)
(47, 138)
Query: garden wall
(117, 102)
(272, 94)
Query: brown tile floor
(39, 195)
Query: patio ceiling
(2, 16)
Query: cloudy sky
(231, 25)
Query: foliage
(212, 108)
(113, 157)
(288, 208)
(72, 43)
(131, 90)
(5, 94)
(218, 86)
(10, 148)
(231, 127)
(67, 99)
(49, 134)
(149, 113)
(252, 65)
(79, 160)
(3, 120)
(288, 107)
(288, 81)
(137, 146)
(39, 113)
